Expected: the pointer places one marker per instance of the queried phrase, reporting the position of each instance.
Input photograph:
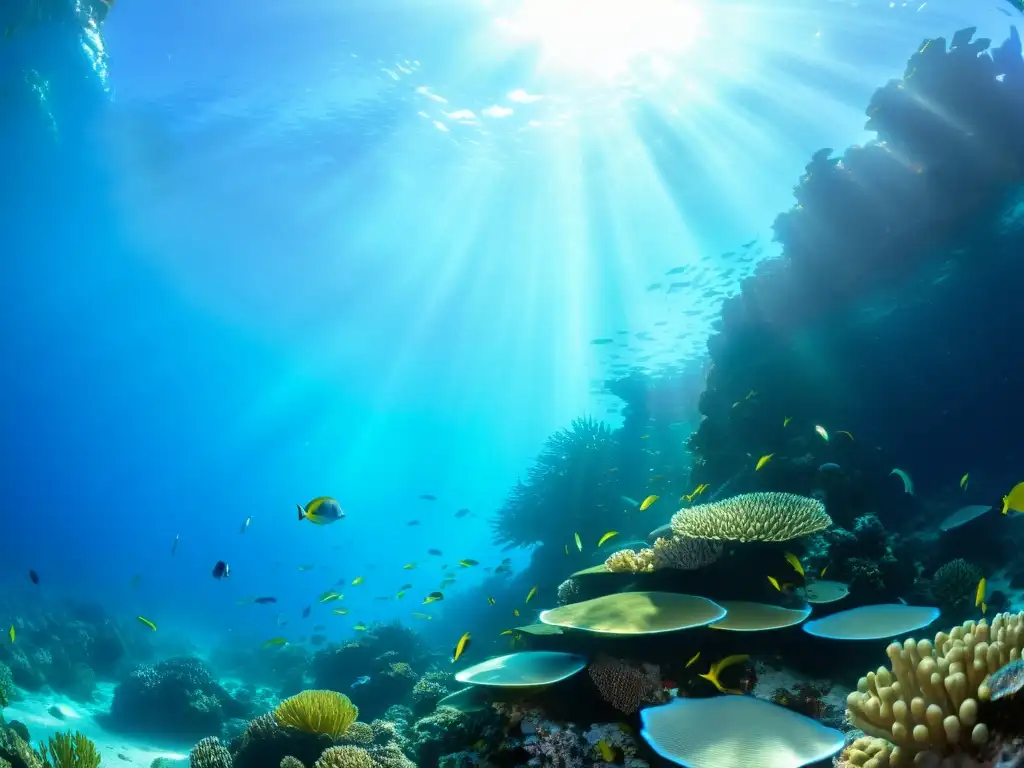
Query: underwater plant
(324, 712)
(70, 750)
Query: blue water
(276, 251)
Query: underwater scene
(512, 383)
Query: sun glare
(604, 38)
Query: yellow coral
(928, 702)
(753, 517)
(865, 752)
(70, 750)
(628, 561)
(345, 757)
(325, 712)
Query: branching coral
(210, 753)
(6, 685)
(345, 757)
(753, 517)
(291, 762)
(326, 712)
(681, 553)
(359, 733)
(928, 702)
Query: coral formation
(683, 553)
(345, 757)
(209, 753)
(928, 702)
(953, 585)
(626, 685)
(753, 517)
(323, 712)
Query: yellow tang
(360, 627)
(323, 510)
(795, 562)
(1014, 499)
(979, 595)
(963, 481)
(648, 501)
(531, 593)
(460, 647)
(357, 581)
(605, 538)
(274, 641)
(579, 544)
(143, 619)
(719, 666)
(763, 460)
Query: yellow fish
(607, 753)
(357, 581)
(507, 632)
(963, 481)
(467, 563)
(984, 608)
(360, 627)
(701, 488)
(648, 501)
(274, 641)
(340, 611)
(460, 647)
(763, 460)
(821, 431)
(822, 574)
(844, 432)
(490, 600)
(400, 595)
(322, 510)
(327, 597)
(979, 595)
(775, 583)
(795, 562)
(1014, 499)
(786, 420)
(418, 615)
(579, 544)
(409, 566)
(531, 593)
(11, 633)
(515, 611)
(719, 666)
(605, 538)
(143, 619)
(433, 597)
(693, 659)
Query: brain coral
(928, 703)
(624, 685)
(753, 517)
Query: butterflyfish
(648, 501)
(605, 538)
(143, 619)
(763, 460)
(322, 510)
(720, 666)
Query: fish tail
(712, 677)
(302, 512)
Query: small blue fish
(361, 681)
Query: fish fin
(712, 677)
(302, 512)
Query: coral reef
(626, 685)
(321, 712)
(177, 697)
(753, 517)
